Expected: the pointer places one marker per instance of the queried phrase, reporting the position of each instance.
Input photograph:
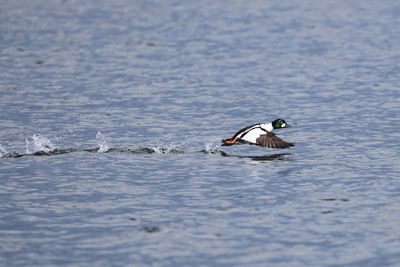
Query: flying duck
(260, 134)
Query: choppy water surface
(112, 113)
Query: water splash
(3, 151)
(38, 143)
(101, 142)
(210, 147)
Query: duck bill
(287, 126)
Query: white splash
(101, 142)
(3, 151)
(39, 143)
(211, 147)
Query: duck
(260, 134)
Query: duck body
(260, 134)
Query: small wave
(12, 155)
(5, 154)
(39, 144)
(56, 151)
(146, 150)
(167, 149)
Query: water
(112, 114)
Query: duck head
(280, 123)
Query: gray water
(112, 114)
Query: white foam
(101, 142)
(211, 147)
(3, 151)
(39, 143)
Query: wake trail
(38, 145)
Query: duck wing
(244, 131)
(272, 141)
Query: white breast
(267, 126)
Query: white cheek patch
(283, 125)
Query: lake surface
(112, 114)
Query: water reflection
(272, 157)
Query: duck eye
(281, 122)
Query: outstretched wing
(272, 141)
